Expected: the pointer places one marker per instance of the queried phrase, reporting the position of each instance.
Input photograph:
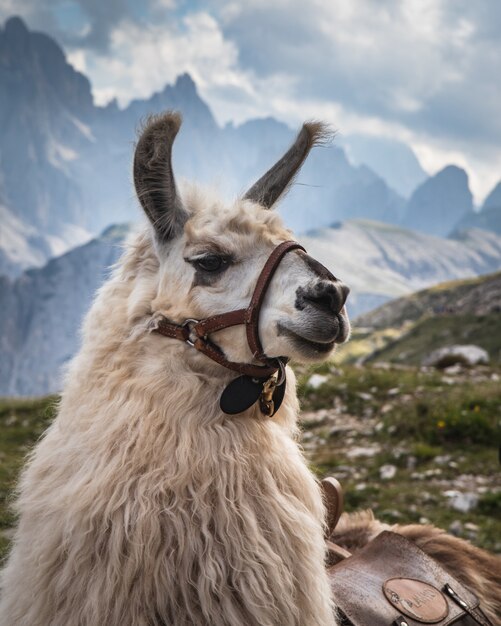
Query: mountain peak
(493, 200)
(15, 36)
(185, 83)
(440, 202)
(452, 172)
(15, 27)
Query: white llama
(145, 504)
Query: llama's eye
(211, 263)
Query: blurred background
(404, 206)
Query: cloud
(84, 23)
(141, 60)
(389, 59)
(423, 71)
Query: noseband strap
(196, 332)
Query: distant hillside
(408, 329)
(42, 311)
(381, 262)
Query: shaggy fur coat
(144, 505)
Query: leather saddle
(392, 582)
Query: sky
(426, 72)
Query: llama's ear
(154, 178)
(268, 189)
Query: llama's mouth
(315, 341)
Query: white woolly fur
(143, 504)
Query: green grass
(416, 420)
(22, 422)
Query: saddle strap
(333, 497)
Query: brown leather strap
(218, 322)
(332, 493)
(174, 331)
(204, 345)
(335, 554)
(334, 501)
(263, 282)
(248, 369)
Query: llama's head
(210, 254)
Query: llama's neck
(149, 393)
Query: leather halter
(196, 332)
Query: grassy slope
(22, 422)
(441, 433)
(408, 417)
(452, 295)
(430, 333)
(408, 329)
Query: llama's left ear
(268, 189)
(154, 178)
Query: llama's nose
(327, 296)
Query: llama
(144, 504)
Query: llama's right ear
(154, 178)
(270, 187)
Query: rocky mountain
(20, 245)
(391, 159)
(42, 311)
(45, 106)
(65, 162)
(439, 202)
(23, 246)
(43, 308)
(489, 216)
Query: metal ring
(187, 323)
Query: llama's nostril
(327, 296)
(323, 302)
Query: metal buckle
(186, 324)
(267, 404)
(281, 377)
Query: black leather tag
(241, 394)
(244, 391)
